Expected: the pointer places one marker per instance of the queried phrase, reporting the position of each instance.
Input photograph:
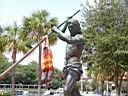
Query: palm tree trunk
(39, 71)
(13, 71)
(117, 81)
(102, 87)
(120, 82)
(13, 82)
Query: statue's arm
(63, 37)
(65, 27)
(70, 40)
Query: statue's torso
(74, 51)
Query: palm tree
(1, 30)
(37, 25)
(13, 43)
(2, 41)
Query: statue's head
(74, 28)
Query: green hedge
(5, 94)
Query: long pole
(13, 65)
(39, 70)
(31, 50)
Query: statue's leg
(70, 85)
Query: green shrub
(5, 94)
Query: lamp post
(107, 88)
(81, 81)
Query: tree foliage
(58, 80)
(4, 64)
(27, 74)
(39, 24)
(106, 31)
(13, 43)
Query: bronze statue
(73, 65)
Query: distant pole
(39, 70)
(81, 81)
(107, 87)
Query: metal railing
(8, 87)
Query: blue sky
(15, 10)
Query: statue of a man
(73, 66)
